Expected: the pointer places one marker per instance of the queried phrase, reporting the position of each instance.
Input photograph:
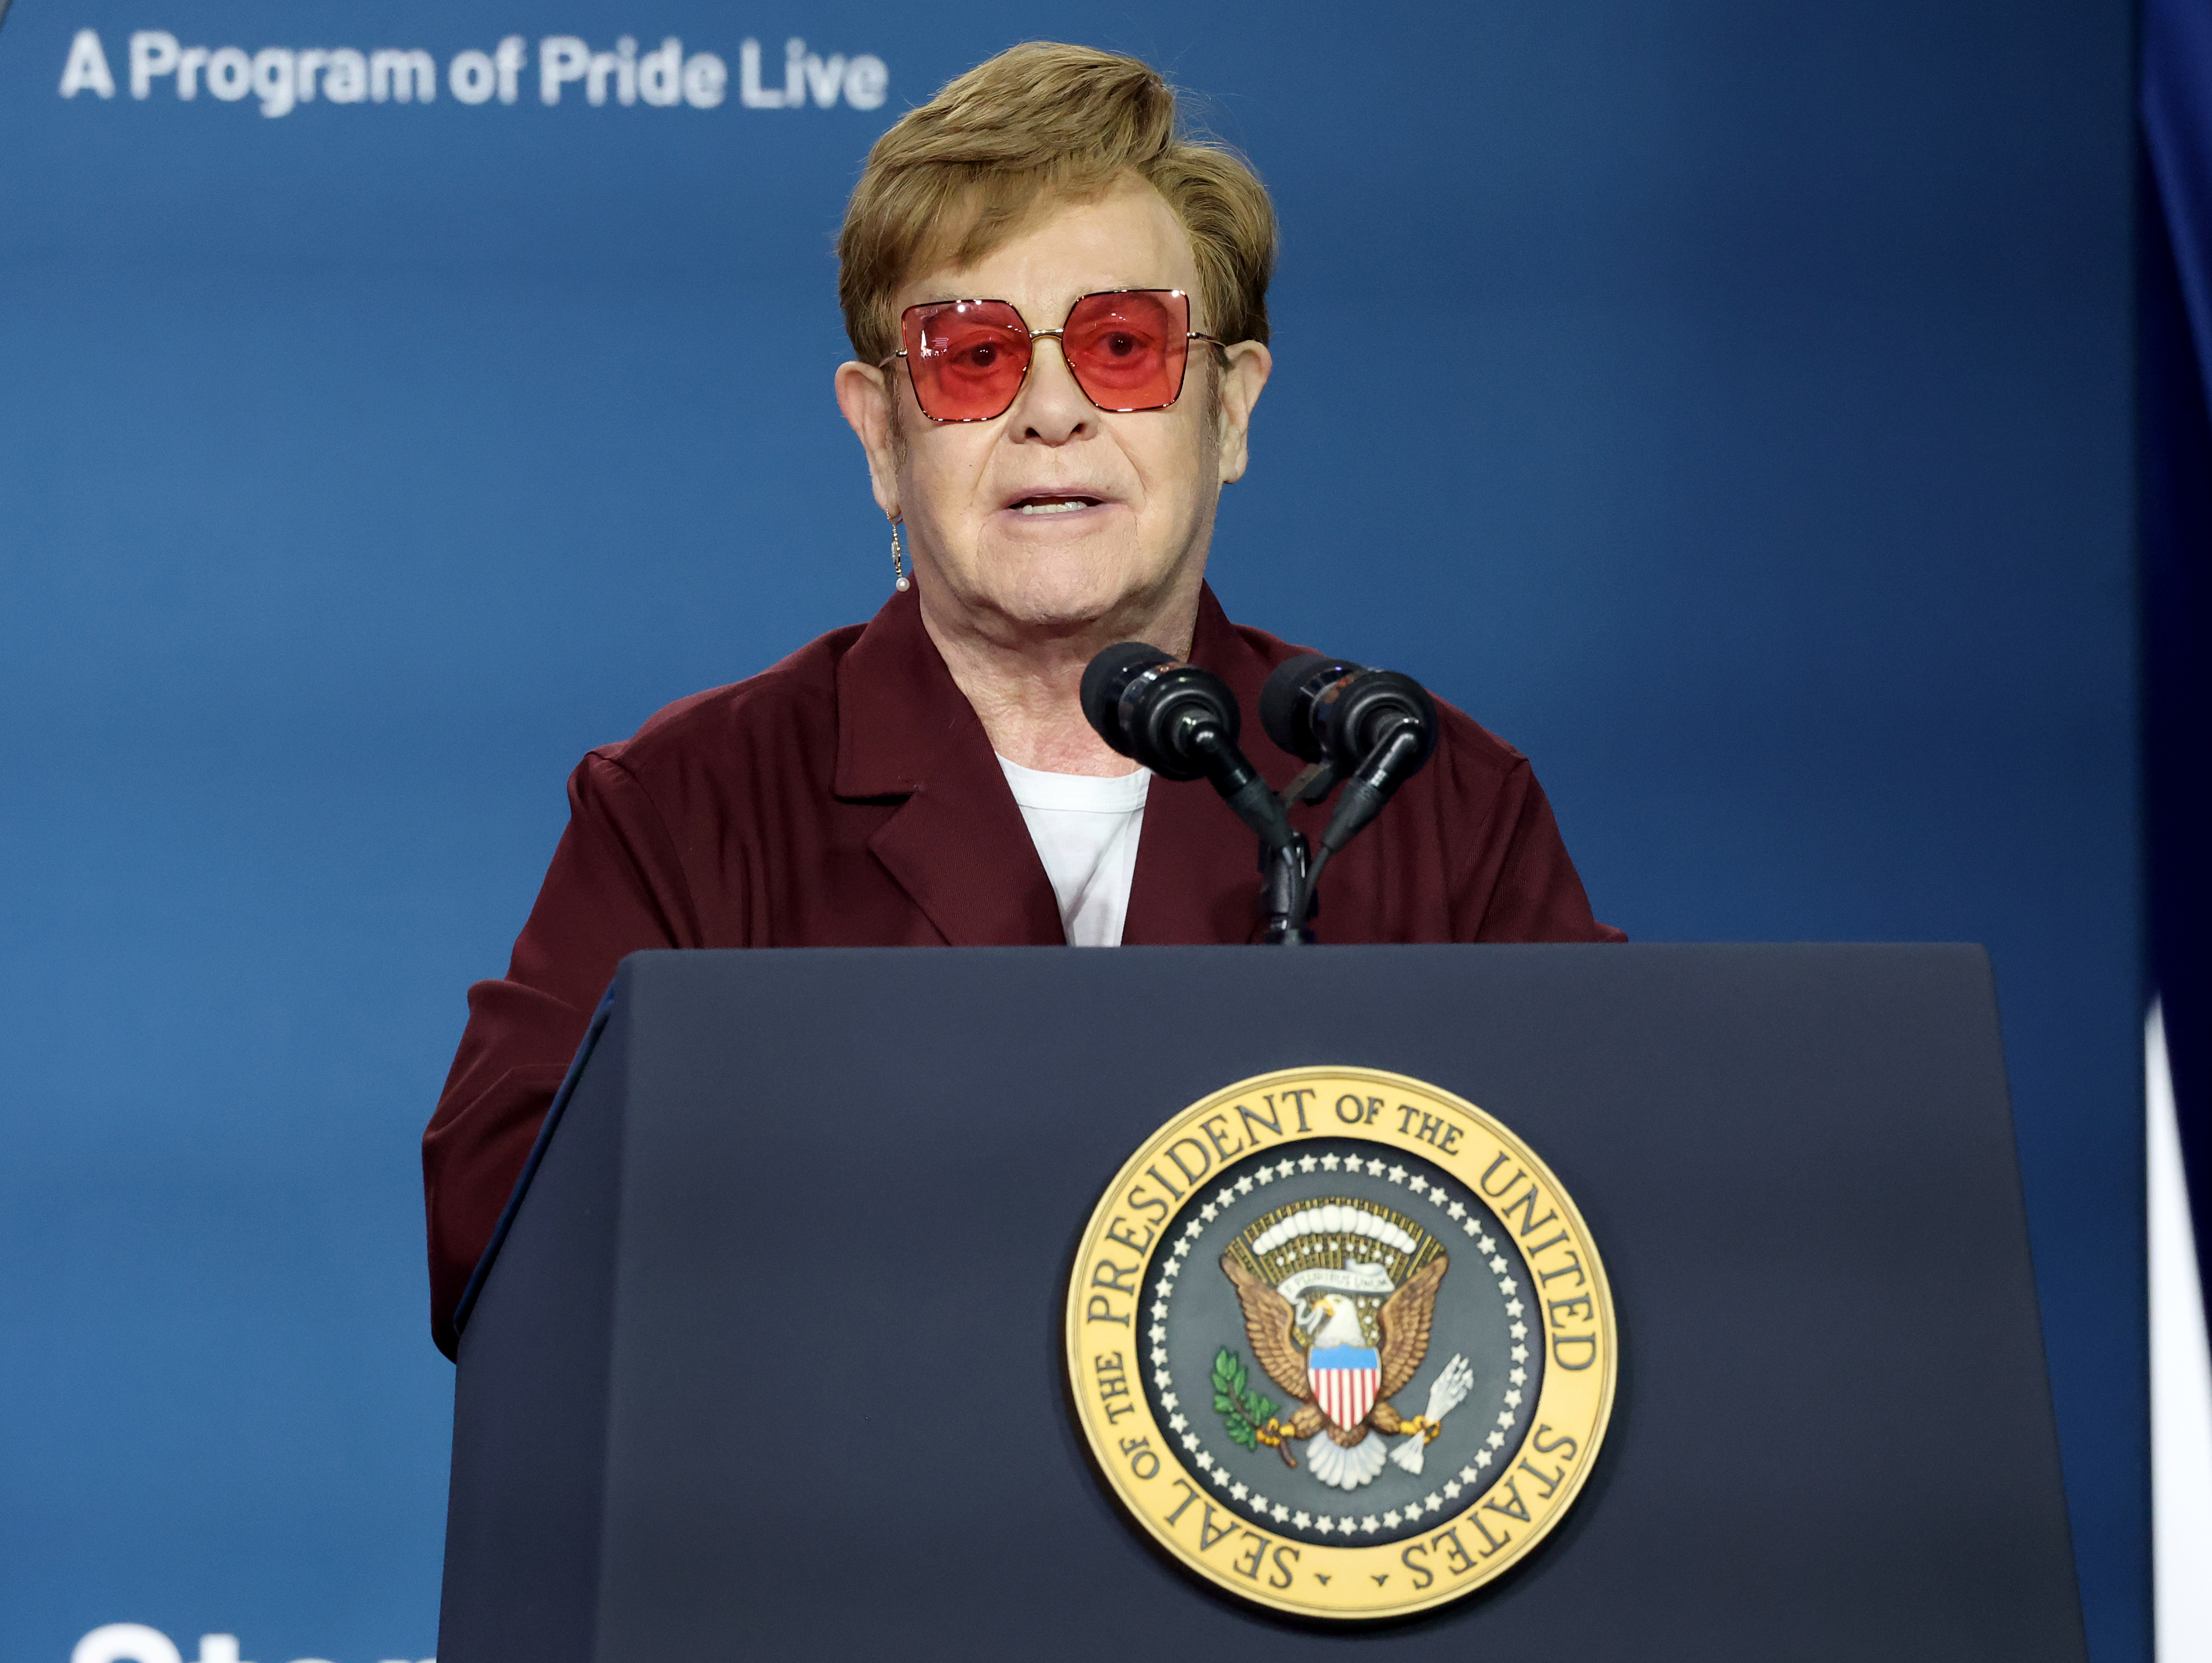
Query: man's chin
(1072, 597)
(1074, 608)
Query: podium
(766, 1361)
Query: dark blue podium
(767, 1363)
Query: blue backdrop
(1730, 403)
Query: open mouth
(1041, 504)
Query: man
(1059, 314)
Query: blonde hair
(1041, 123)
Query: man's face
(1057, 515)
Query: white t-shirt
(1085, 830)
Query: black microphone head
(1106, 678)
(1356, 715)
(1166, 706)
(1287, 702)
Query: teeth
(1061, 507)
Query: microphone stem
(1368, 790)
(1307, 889)
(1283, 892)
(1240, 787)
(1364, 794)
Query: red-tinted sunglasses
(1127, 349)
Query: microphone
(1338, 712)
(1180, 722)
(1373, 728)
(1288, 702)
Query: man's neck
(1027, 691)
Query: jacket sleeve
(616, 887)
(1529, 890)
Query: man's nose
(1052, 409)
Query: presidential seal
(1340, 1343)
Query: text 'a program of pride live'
(561, 67)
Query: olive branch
(1249, 1414)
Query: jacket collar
(958, 845)
(898, 707)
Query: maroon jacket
(849, 798)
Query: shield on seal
(1345, 1380)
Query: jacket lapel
(957, 846)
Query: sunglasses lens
(1127, 350)
(967, 357)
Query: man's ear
(865, 395)
(1249, 364)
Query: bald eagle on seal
(1283, 1334)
